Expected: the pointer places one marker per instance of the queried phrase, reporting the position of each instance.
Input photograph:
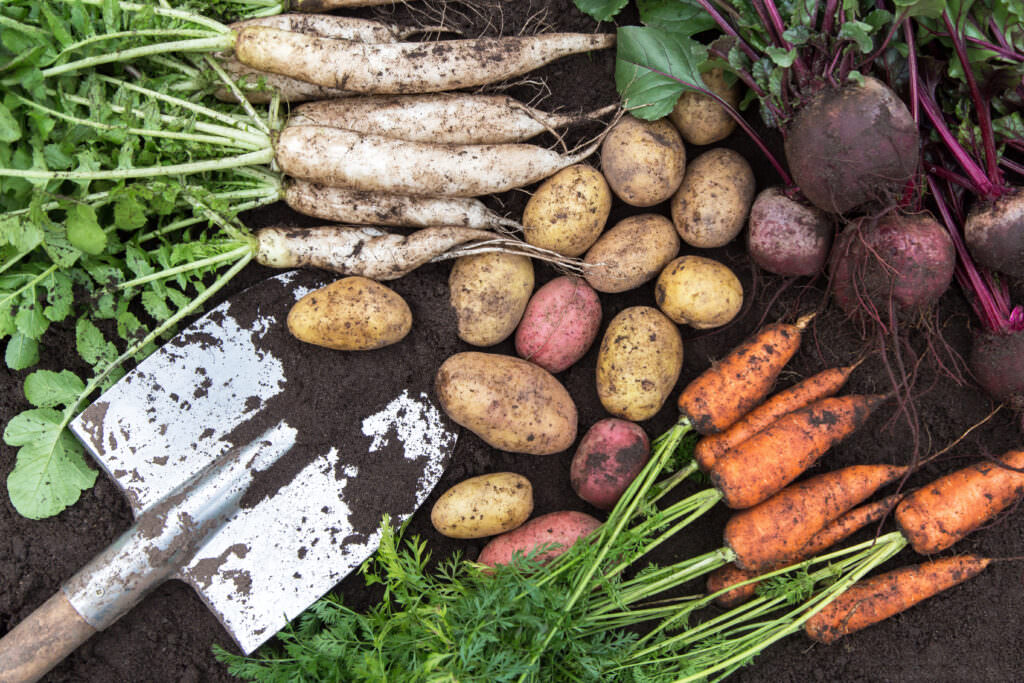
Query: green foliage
(653, 67)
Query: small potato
(639, 361)
(510, 403)
(700, 118)
(489, 293)
(609, 457)
(481, 506)
(631, 253)
(564, 528)
(644, 161)
(560, 324)
(568, 211)
(351, 314)
(699, 292)
(711, 206)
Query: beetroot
(899, 260)
(787, 237)
(997, 362)
(851, 146)
(994, 233)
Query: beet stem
(729, 30)
(980, 103)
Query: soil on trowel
(971, 633)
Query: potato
(486, 505)
(489, 293)
(638, 363)
(711, 206)
(609, 457)
(568, 211)
(700, 118)
(564, 528)
(510, 403)
(631, 253)
(644, 161)
(351, 314)
(699, 292)
(560, 324)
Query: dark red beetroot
(994, 233)
(851, 146)
(997, 362)
(898, 260)
(787, 237)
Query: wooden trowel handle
(42, 640)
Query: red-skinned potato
(609, 457)
(788, 237)
(564, 528)
(560, 323)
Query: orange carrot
(763, 464)
(872, 600)
(733, 386)
(834, 532)
(941, 513)
(823, 384)
(774, 532)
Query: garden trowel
(259, 485)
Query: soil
(972, 632)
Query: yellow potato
(508, 402)
(351, 314)
(631, 253)
(644, 161)
(489, 293)
(568, 211)
(700, 118)
(481, 506)
(712, 204)
(699, 292)
(639, 362)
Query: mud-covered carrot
(741, 380)
(833, 532)
(939, 514)
(880, 597)
(821, 385)
(763, 464)
(774, 532)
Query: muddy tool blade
(258, 468)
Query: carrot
(333, 156)
(396, 68)
(389, 209)
(824, 384)
(846, 525)
(872, 600)
(941, 513)
(449, 118)
(774, 532)
(778, 454)
(733, 386)
(380, 255)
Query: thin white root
(343, 205)
(457, 119)
(404, 68)
(338, 157)
(379, 255)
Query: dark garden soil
(971, 633)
